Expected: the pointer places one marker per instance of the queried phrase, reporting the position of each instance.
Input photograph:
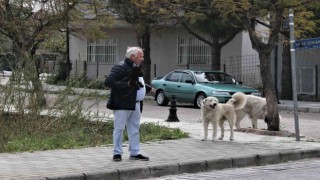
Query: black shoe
(139, 157)
(117, 157)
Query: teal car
(192, 86)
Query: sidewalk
(166, 157)
(303, 106)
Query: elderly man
(125, 100)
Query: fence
(47, 62)
(243, 68)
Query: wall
(308, 66)
(163, 50)
(78, 51)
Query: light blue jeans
(131, 119)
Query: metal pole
(294, 78)
(317, 81)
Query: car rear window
(214, 77)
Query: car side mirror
(189, 81)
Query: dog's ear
(137, 71)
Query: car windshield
(214, 77)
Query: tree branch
(195, 34)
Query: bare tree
(27, 23)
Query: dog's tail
(238, 100)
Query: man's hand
(152, 91)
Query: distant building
(171, 48)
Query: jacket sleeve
(115, 78)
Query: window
(193, 51)
(214, 77)
(185, 77)
(174, 76)
(106, 50)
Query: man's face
(137, 59)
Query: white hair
(133, 51)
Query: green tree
(146, 17)
(273, 13)
(199, 16)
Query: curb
(193, 167)
(300, 109)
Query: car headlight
(220, 93)
(257, 93)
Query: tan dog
(213, 112)
(255, 108)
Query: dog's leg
(239, 116)
(238, 123)
(214, 130)
(221, 124)
(231, 124)
(254, 123)
(205, 129)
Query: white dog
(213, 112)
(255, 108)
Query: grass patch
(27, 133)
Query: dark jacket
(122, 96)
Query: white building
(171, 48)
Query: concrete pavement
(303, 106)
(166, 157)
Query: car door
(171, 87)
(186, 87)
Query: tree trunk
(64, 70)
(215, 54)
(215, 58)
(30, 69)
(269, 91)
(38, 87)
(144, 42)
(286, 80)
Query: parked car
(192, 86)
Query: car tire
(161, 99)
(198, 98)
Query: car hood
(229, 87)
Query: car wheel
(199, 98)
(161, 99)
